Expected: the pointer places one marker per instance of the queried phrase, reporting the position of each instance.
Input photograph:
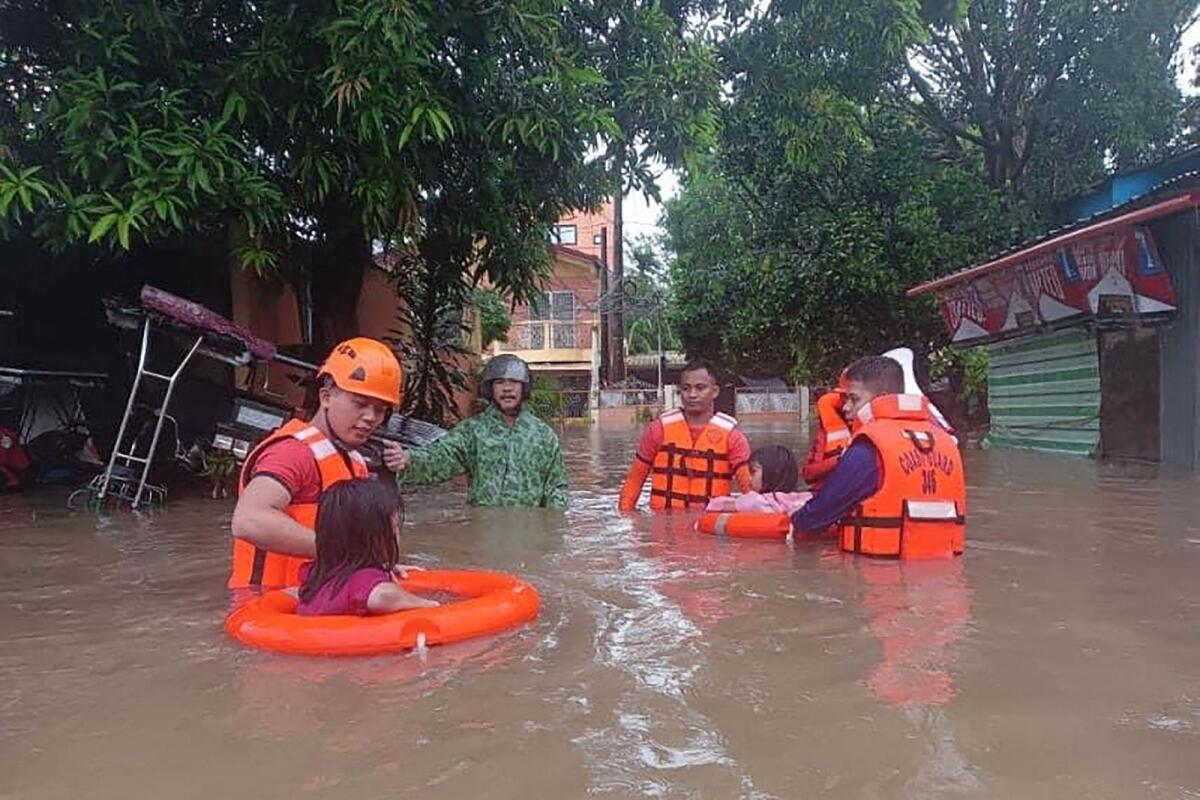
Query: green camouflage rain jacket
(521, 465)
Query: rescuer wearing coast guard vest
(284, 476)
(692, 454)
(898, 490)
(833, 432)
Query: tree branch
(938, 117)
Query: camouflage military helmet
(505, 367)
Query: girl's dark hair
(779, 470)
(354, 530)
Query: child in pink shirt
(358, 552)
(774, 477)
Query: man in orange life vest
(832, 437)
(898, 490)
(833, 432)
(284, 476)
(692, 453)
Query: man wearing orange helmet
(284, 476)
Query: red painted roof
(1052, 242)
(571, 251)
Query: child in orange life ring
(358, 552)
(774, 478)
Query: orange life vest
(256, 567)
(833, 437)
(686, 474)
(920, 508)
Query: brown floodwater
(1059, 658)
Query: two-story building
(559, 335)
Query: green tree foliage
(867, 147)
(966, 368)
(430, 325)
(546, 401)
(646, 301)
(812, 271)
(299, 133)
(1051, 94)
(494, 320)
(455, 131)
(657, 83)
(1191, 111)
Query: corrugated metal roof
(1135, 210)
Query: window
(557, 306)
(562, 306)
(564, 234)
(552, 321)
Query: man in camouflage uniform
(511, 456)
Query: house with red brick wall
(588, 232)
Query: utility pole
(661, 401)
(603, 305)
(616, 317)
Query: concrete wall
(1178, 243)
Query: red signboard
(1116, 272)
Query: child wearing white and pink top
(774, 477)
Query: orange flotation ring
(745, 525)
(492, 602)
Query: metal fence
(749, 400)
(562, 403)
(576, 403)
(621, 398)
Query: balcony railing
(550, 335)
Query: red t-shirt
(350, 598)
(652, 439)
(291, 462)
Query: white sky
(642, 217)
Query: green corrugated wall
(1044, 393)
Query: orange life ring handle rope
(745, 524)
(492, 602)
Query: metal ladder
(121, 485)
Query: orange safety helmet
(367, 367)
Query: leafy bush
(966, 368)
(546, 401)
(494, 321)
